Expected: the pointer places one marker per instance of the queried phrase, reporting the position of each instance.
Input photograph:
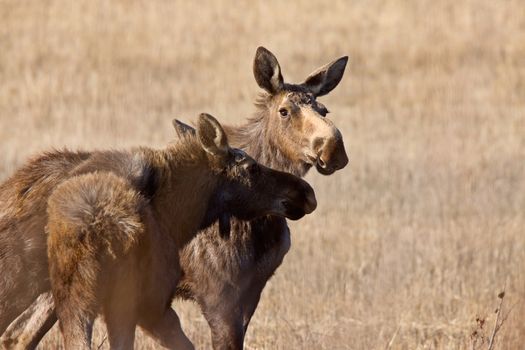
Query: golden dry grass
(411, 242)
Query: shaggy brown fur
(236, 269)
(23, 203)
(113, 249)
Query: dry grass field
(411, 242)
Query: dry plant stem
(497, 324)
(393, 338)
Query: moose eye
(252, 168)
(283, 112)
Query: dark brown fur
(236, 269)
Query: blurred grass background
(411, 242)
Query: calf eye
(239, 157)
(283, 112)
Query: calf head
(246, 189)
(296, 120)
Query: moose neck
(185, 190)
(257, 138)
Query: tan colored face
(305, 133)
(298, 121)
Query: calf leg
(121, 329)
(168, 331)
(75, 307)
(76, 330)
(30, 327)
(75, 299)
(120, 305)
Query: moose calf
(113, 249)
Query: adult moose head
(296, 121)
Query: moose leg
(76, 329)
(120, 308)
(30, 327)
(121, 329)
(249, 303)
(226, 323)
(168, 331)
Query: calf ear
(212, 136)
(267, 71)
(182, 129)
(326, 78)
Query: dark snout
(332, 157)
(311, 201)
(299, 201)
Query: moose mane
(185, 150)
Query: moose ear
(212, 136)
(326, 78)
(267, 71)
(182, 129)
